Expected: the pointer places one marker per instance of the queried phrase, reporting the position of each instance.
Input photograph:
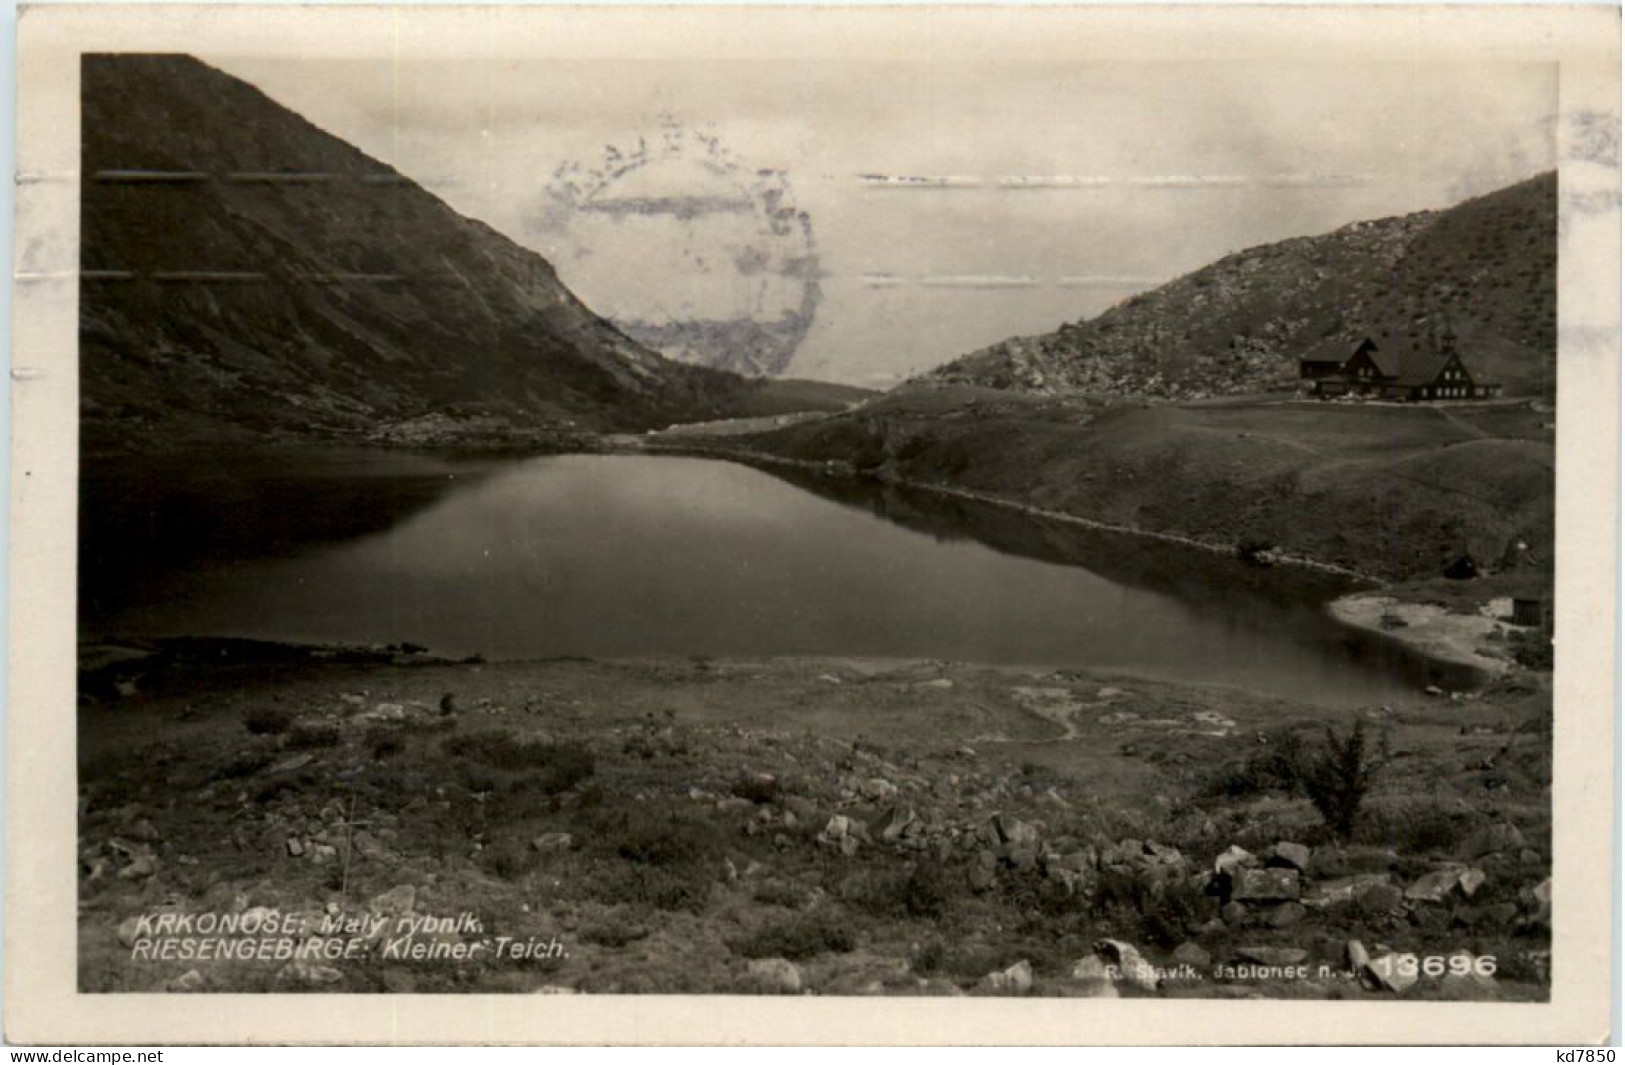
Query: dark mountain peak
(244, 271)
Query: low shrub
(927, 889)
(797, 939)
(243, 765)
(759, 788)
(1280, 765)
(311, 737)
(548, 768)
(267, 720)
(509, 858)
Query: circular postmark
(687, 249)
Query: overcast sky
(1145, 170)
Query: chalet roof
(1333, 349)
(1408, 360)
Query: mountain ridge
(1487, 265)
(245, 273)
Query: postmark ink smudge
(687, 249)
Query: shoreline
(1431, 630)
(747, 456)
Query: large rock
(1090, 978)
(553, 842)
(1387, 973)
(399, 899)
(1285, 915)
(893, 822)
(1292, 855)
(1266, 885)
(1233, 860)
(1132, 968)
(1441, 883)
(303, 972)
(775, 975)
(1016, 980)
(1343, 889)
(1192, 954)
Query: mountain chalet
(1399, 368)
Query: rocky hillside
(245, 273)
(794, 826)
(1488, 265)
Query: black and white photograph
(888, 519)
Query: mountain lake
(632, 555)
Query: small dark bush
(654, 840)
(797, 939)
(385, 745)
(780, 893)
(1532, 649)
(1278, 766)
(759, 788)
(311, 737)
(1338, 778)
(926, 890)
(509, 858)
(243, 765)
(614, 934)
(678, 887)
(1158, 911)
(267, 720)
(549, 767)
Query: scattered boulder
(892, 822)
(1233, 860)
(190, 980)
(1385, 973)
(1541, 894)
(1441, 883)
(129, 931)
(553, 842)
(1285, 915)
(1090, 978)
(1343, 889)
(1192, 954)
(1233, 914)
(303, 972)
(139, 868)
(1132, 968)
(775, 975)
(1291, 855)
(1016, 980)
(1381, 898)
(399, 899)
(1266, 885)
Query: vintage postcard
(960, 524)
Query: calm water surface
(630, 555)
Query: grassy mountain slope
(1237, 326)
(1393, 492)
(245, 273)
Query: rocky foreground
(259, 819)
